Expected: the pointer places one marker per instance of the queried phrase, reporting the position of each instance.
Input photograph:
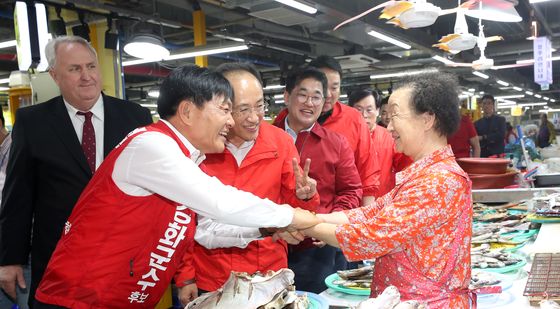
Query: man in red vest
(127, 235)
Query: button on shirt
(97, 121)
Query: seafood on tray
(480, 279)
(359, 278)
(272, 290)
(484, 257)
(390, 299)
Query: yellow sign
(517, 111)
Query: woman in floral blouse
(419, 232)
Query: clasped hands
(295, 232)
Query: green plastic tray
(329, 282)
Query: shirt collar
(422, 164)
(293, 133)
(96, 109)
(246, 144)
(196, 156)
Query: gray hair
(52, 45)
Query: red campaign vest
(117, 250)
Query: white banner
(542, 53)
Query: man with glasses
(259, 158)
(342, 119)
(332, 165)
(368, 102)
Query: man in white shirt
(138, 210)
(51, 162)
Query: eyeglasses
(315, 99)
(367, 111)
(246, 111)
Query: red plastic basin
(483, 165)
(492, 181)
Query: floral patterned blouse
(420, 233)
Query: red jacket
(117, 250)
(460, 141)
(266, 172)
(348, 122)
(389, 159)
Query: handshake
(295, 232)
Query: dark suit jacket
(47, 171)
(494, 128)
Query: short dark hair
(328, 62)
(488, 96)
(231, 67)
(358, 95)
(2, 118)
(190, 82)
(298, 75)
(437, 94)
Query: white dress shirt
(293, 133)
(97, 121)
(153, 163)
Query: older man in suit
(57, 145)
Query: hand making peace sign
(306, 186)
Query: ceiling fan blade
(384, 4)
(494, 38)
(460, 65)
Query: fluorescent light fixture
(506, 102)
(298, 5)
(154, 93)
(389, 39)
(552, 100)
(514, 96)
(479, 74)
(510, 66)
(472, 90)
(7, 44)
(400, 74)
(538, 96)
(4, 88)
(227, 37)
(148, 105)
(531, 61)
(481, 92)
(501, 82)
(546, 98)
(4, 80)
(550, 110)
(274, 87)
(529, 92)
(517, 89)
(43, 34)
(278, 96)
(533, 104)
(443, 59)
(463, 96)
(279, 102)
(342, 96)
(146, 46)
(193, 52)
(24, 43)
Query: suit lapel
(110, 126)
(60, 121)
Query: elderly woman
(420, 232)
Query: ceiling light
(228, 37)
(517, 89)
(533, 104)
(480, 75)
(299, 5)
(389, 39)
(146, 46)
(154, 93)
(531, 61)
(552, 100)
(501, 11)
(4, 88)
(501, 82)
(546, 98)
(538, 1)
(7, 44)
(203, 50)
(529, 92)
(538, 96)
(4, 80)
(515, 96)
(342, 96)
(149, 105)
(442, 59)
(278, 96)
(273, 87)
(551, 110)
(481, 92)
(400, 74)
(472, 90)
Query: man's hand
(306, 186)
(9, 275)
(318, 243)
(187, 293)
(303, 219)
(293, 238)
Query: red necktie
(88, 140)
